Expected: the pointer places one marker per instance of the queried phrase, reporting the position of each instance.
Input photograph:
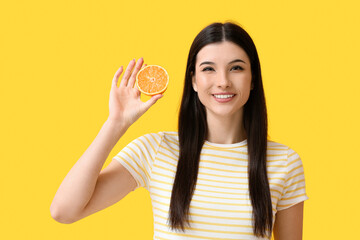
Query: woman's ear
(193, 82)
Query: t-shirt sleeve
(294, 189)
(138, 158)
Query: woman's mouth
(223, 97)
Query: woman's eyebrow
(233, 61)
(207, 62)
(237, 60)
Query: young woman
(219, 176)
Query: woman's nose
(223, 81)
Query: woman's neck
(225, 130)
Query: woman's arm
(78, 186)
(85, 190)
(289, 223)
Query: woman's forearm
(78, 186)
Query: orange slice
(152, 80)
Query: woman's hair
(193, 129)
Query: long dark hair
(192, 128)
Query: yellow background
(57, 61)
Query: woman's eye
(237, 68)
(207, 69)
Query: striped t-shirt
(220, 207)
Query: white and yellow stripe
(221, 206)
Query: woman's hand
(125, 106)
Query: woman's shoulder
(170, 136)
(162, 136)
(280, 147)
(276, 145)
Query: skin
(289, 223)
(216, 72)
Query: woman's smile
(223, 97)
(222, 79)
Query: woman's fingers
(151, 101)
(116, 76)
(137, 90)
(127, 73)
(132, 79)
(129, 76)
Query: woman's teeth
(223, 96)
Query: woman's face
(222, 78)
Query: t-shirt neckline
(229, 145)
